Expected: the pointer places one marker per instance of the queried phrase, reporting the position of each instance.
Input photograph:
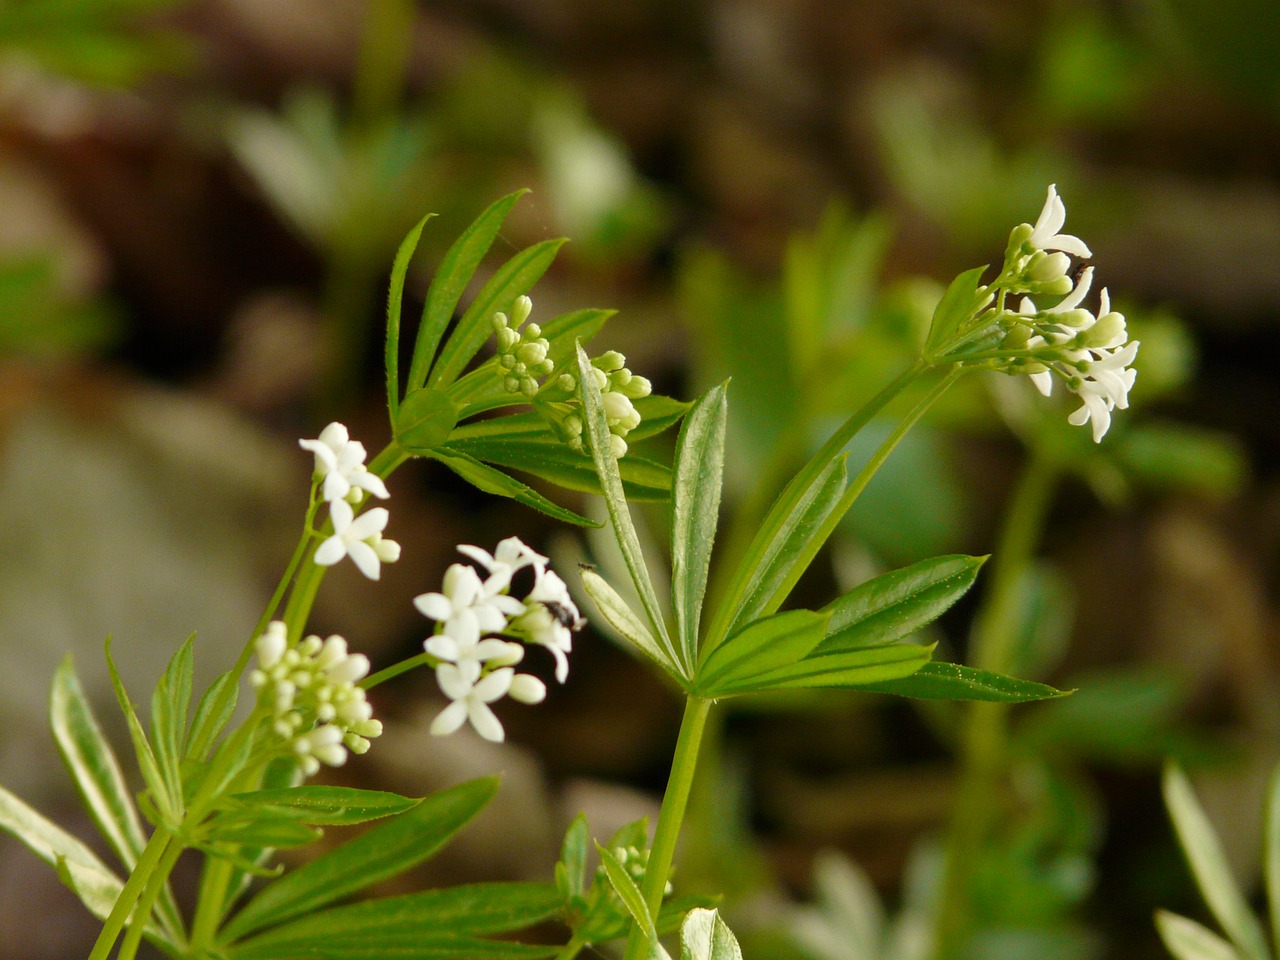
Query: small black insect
(1077, 271)
(564, 616)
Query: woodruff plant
(237, 794)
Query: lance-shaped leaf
(395, 297)
(854, 668)
(491, 480)
(326, 805)
(80, 869)
(628, 623)
(596, 428)
(695, 510)
(704, 936)
(657, 414)
(1271, 852)
(513, 279)
(767, 645)
(1188, 940)
(962, 299)
(170, 704)
(97, 774)
(425, 420)
(261, 828)
(571, 869)
(212, 713)
(892, 606)
(628, 892)
(557, 463)
(386, 851)
(450, 281)
(416, 924)
(1210, 868)
(954, 681)
(147, 764)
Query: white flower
(468, 606)
(1045, 234)
(340, 461)
(1103, 386)
(359, 538)
(550, 619)
(471, 699)
(511, 555)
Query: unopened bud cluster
(635, 861)
(522, 354)
(527, 369)
(312, 695)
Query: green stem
(749, 531)
(984, 737)
(129, 894)
(404, 666)
(683, 765)
(572, 948)
(156, 882)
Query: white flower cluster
(478, 624)
(1088, 352)
(345, 482)
(523, 357)
(312, 693)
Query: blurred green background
(201, 199)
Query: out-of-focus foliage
(38, 319)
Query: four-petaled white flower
(550, 619)
(510, 556)
(1045, 234)
(340, 461)
(471, 699)
(468, 606)
(359, 538)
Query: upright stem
(674, 801)
(984, 738)
(155, 885)
(132, 889)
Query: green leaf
(954, 681)
(429, 919)
(395, 297)
(440, 947)
(425, 420)
(316, 803)
(147, 765)
(1209, 865)
(855, 668)
(627, 622)
(1188, 940)
(212, 713)
(704, 936)
(628, 892)
(170, 705)
(597, 430)
(93, 765)
(1180, 458)
(773, 564)
(554, 461)
(490, 480)
(87, 876)
(695, 502)
(451, 279)
(573, 857)
(957, 305)
(773, 643)
(513, 279)
(891, 607)
(261, 828)
(386, 851)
